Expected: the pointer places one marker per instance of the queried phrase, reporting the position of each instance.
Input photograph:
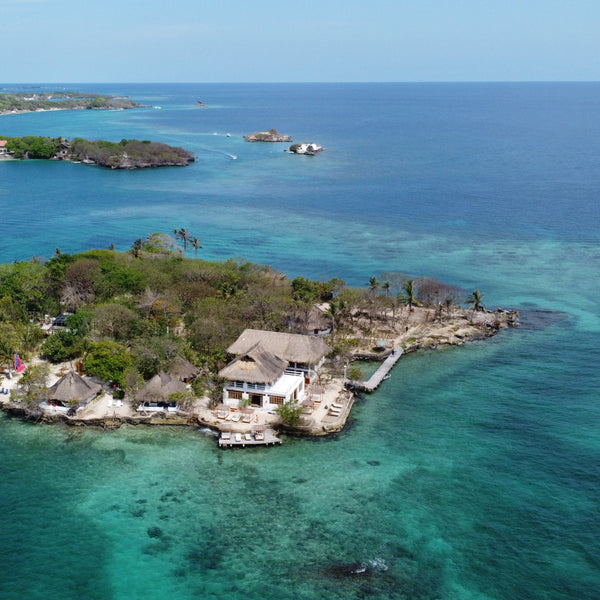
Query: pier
(375, 380)
(261, 437)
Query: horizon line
(465, 81)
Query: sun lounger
(259, 436)
(225, 435)
(221, 414)
(336, 405)
(110, 401)
(238, 437)
(229, 417)
(247, 437)
(236, 417)
(246, 418)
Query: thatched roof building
(183, 369)
(256, 365)
(159, 388)
(73, 387)
(291, 347)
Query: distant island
(21, 102)
(267, 136)
(126, 154)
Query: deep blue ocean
(472, 474)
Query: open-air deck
(259, 437)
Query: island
(21, 102)
(267, 136)
(153, 336)
(311, 149)
(126, 154)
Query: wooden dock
(241, 441)
(375, 380)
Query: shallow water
(471, 473)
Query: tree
(196, 245)
(409, 297)
(183, 235)
(32, 385)
(115, 321)
(475, 300)
(9, 341)
(151, 355)
(136, 247)
(373, 285)
(61, 346)
(184, 399)
(107, 361)
(132, 382)
(290, 413)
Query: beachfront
(326, 402)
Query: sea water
(472, 473)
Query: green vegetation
(290, 413)
(133, 314)
(126, 154)
(140, 309)
(475, 300)
(32, 101)
(33, 146)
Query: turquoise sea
(472, 474)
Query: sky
(308, 40)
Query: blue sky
(306, 40)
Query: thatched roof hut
(183, 369)
(256, 365)
(291, 347)
(73, 387)
(159, 388)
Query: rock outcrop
(310, 149)
(267, 136)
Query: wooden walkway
(375, 381)
(270, 439)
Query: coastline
(419, 332)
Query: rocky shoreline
(272, 135)
(420, 333)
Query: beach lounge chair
(225, 435)
(236, 417)
(221, 414)
(259, 436)
(246, 418)
(336, 405)
(247, 437)
(238, 437)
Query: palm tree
(183, 235)
(136, 247)
(475, 300)
(195, 242)
(373, 285)
(386, 285)
(409, 297)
